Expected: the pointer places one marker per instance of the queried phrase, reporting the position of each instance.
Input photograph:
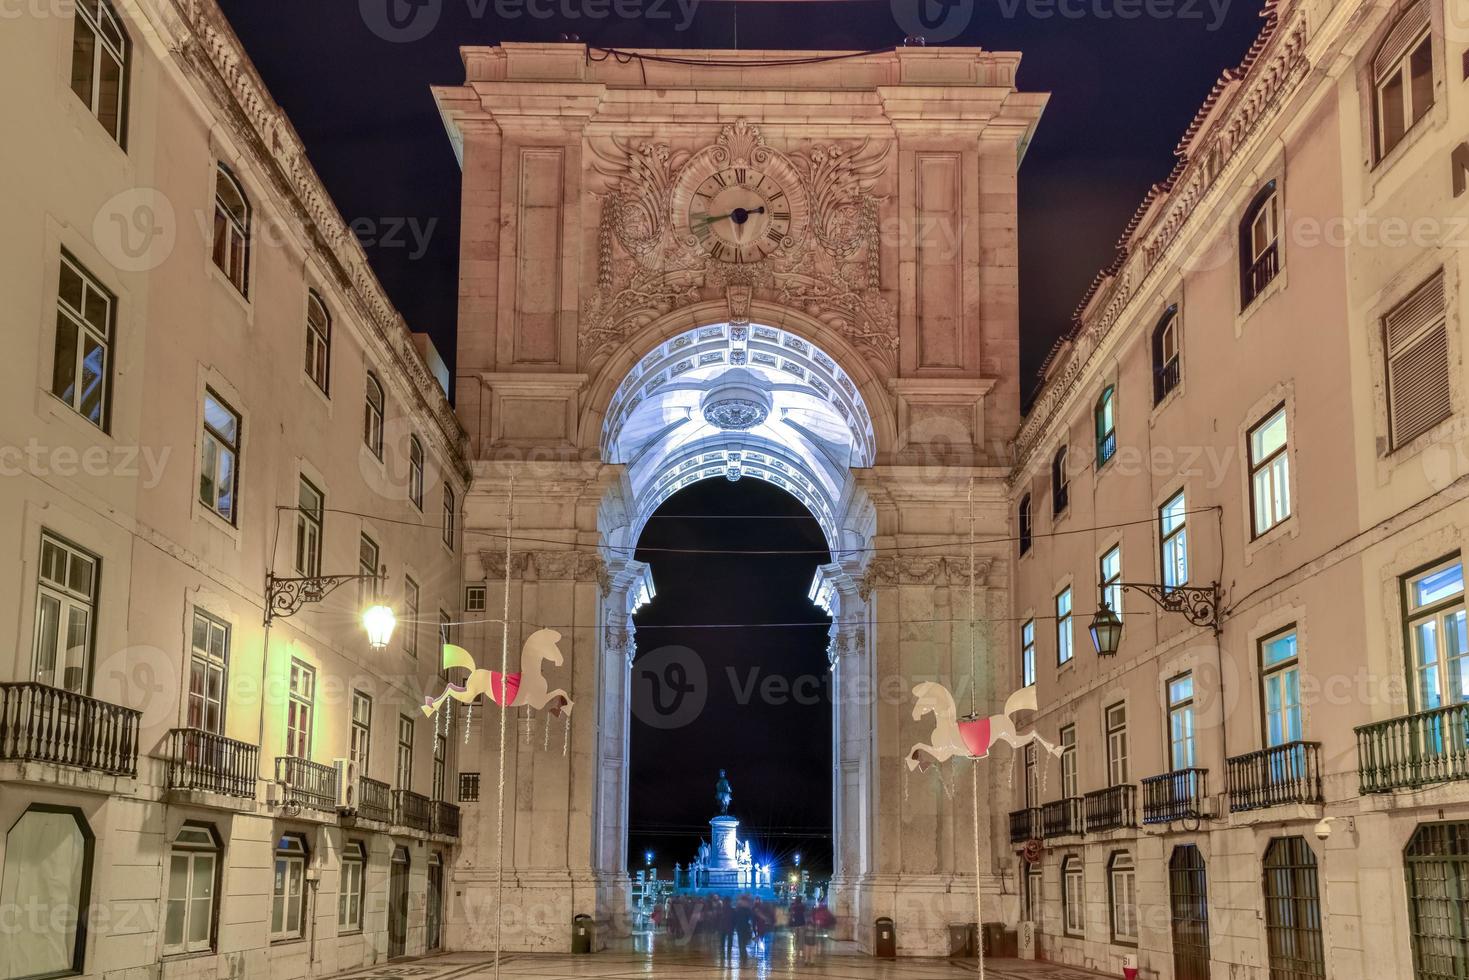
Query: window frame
(1267, 671)
(359, 736)
(1060, 482)
(205, 660)
(1073, 872)
(215, 443)
(1027, 653)
(1401, 72)
(403, 762)
(300, 709)
(1070, 777)
(1167, 371)
(1105, 416)
(448, 519)
(193, 851)
(318, 342)
(475, 598)
(230, 242)
(415, 472)
(374, 414)
(1278, 476)
(1025, 527)
(412, 604)
(83, 329)
(1405, 347)
(67, 599)
(1173, 544)
(354, 854)
(368, 567)
(84, 888)
(310, 528)
(1181, 707)
(1114, 907)
(1414, 614)
(1266, 202)
(1119, 749)
(1109, 586)
(122, 54)
(1064, 630)
(299, 855)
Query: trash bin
(999, 941)
(961, 940)
(887, 940)
(581, 934)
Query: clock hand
(739, 214)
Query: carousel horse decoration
(972, 737)
(526, 688)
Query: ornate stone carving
(934, 570)
(830, 267)
(548, 566)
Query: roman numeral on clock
(740, 174)
(775, 234)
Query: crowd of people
(740, 925)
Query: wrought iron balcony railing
(1111, 808)
(446, 819)
(374, 800)
(1414, 750)
(1261, 272)
(1289, 773)
(1025, 824)
(39, 723)
(1064, 817)
(1166, 378)
(307, 783)
(210, 763)
(412, 810)
(1179, 795)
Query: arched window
(1402, 78)
(193, 880)
(1436, 862)
(372, 416)
(1122, 897)
(1167, 355)
(1293, 910)
(1060, 482)
(1105, 414)
(288, 893)
(318, 341)
(415, 471)
(48, 873)
(1023, 523)
(232, 230)
(99, 64)
(1073, 897)
(1259, 244)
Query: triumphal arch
(791, 267)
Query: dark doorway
(435, 921)
(1188, 891)
(398, 903)
(731, 673)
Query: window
(288, 894)
(373, 410)
(441, 748)
(1073, 897)
(1068, 763)
(1027, 654)
(1188, 898)
(1293, 910)
(349, 888)
(318, 342)
(1022, 521)
(1034, 894)
(1032, 777)
(232, 230)
(1122, 898)
(367, 567)
(360, 748)
(448, 520)
(66, 610)
(99, 61)
(1269, 472)
(1259, 248)
(209, 659)
(1402, 78)
(81, 367)
(1416, 341)
(1116, 723)
(309, 515)
(1281, 683)
(1181, 722)
(474, 598)
(1106, 418)
(415, 471)
(1060, 482)
(219, 457)
(469, 787)
(410, 616)
(446, 632)
(193, 880)
(404, 773)
(47, 873)
(1173, 540)
(1109, 575)
(1063, 627)
(1436, 862)
(1438, 636)
(299, 708)
(1167, 356)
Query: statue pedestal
(724, 860)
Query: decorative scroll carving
(548, 566)
(935, 570)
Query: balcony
(39, 723)
(445, 819)
(1179, 795)
(1261, 272)
(374, 800)
(200, 761)
(1025, 825)
(1283, 774)
(1166, 378)
(1414, 750)
(1063, 818)
(307, 783)
(412, 810)
(1111, 808)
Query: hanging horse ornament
(526, 688)
(971, 737)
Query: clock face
(739, 214)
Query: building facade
(1251, 449)
(220, 443)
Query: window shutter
(1418, 363)
(1413, 23)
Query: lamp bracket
(285, 596)
(1198, 604)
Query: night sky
(1122, 92)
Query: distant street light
(648, 858)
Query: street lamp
(379, 621)
(648, 858)
(284, 597)
(1198, 604)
